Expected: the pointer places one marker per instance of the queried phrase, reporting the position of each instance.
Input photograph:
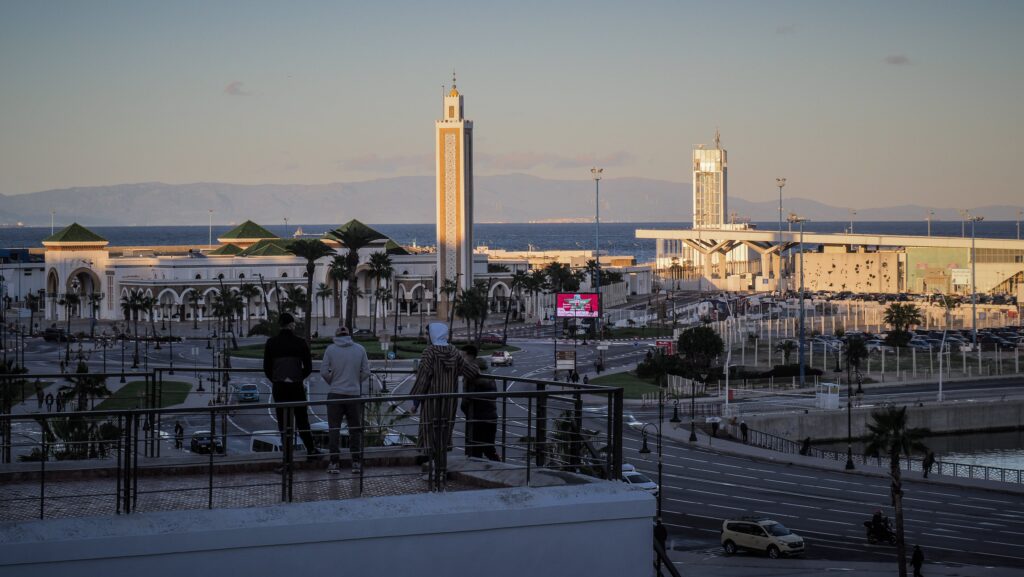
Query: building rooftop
(74, 233)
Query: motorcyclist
(876, 523)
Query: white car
(640, 481)
(501, 359)
(760, 534)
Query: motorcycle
(882, 534)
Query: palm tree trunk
(508, 311)
(897, 504)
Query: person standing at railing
(286, 363)
(345, 368)
(481, 412)
(438, 373)
(928, 463)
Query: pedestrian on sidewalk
(345, 368)
(928, 463)
(917, 560)
(179, 435)
(39, 393)
(744, 431)
(481, 412)
(805, 449)
(286, 363)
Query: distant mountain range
(504, 198)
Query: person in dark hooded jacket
(286, 363)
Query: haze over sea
(616, 238)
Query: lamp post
(849, 408)
(780, 182)
(797, 219)
(974, 290)
(645, 450)
(853, 213)
(1020, 213)
(693, 405)
(122, 357)
(931, 213)
(596, 173)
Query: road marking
(827, 521)
(1001, 543)
(725, 507)
(777, 514)
(948, 537)
(801, 506)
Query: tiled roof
(248, 229)
(74, 233)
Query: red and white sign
(667, 346)
(577, 305)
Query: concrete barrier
(948, 417)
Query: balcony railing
(104, 462)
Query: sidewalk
(713, 564)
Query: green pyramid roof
(356, 228)
(74, 233)
(392, 247)
(268, 247)
(248, 229)
(226, 250)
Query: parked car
(879, 346)
(204, 443)
(54, 334)
(760, 534)
(493, 338)
(501, 359)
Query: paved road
(955, 525)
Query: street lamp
(660, 533)
(931, 213)
(974, 290)
(853, 213)
(797, 219)
(596, 173)
(849, 407)
(693, 404)
(780, 182)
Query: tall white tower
(710, 185)
(454, 194)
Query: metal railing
(783, 445)
(119, 461)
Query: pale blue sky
(856, 103)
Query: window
(199, 276)
(451, 112)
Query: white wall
(600, 528)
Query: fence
(783, 445)
(99, 462)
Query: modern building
(710, 185)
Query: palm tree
(131, 307)
(193, 299)
(519, 279)
(450, 289)
(295, 298)
(380, 269)
(32, 302)
(323, 292)
(786, 348)
(902, 316)
(337, 271)
(248, 291)
(94, 303)
(354, 236)
(146, 304)
(312, 250)
(888, 432)
(83, 388)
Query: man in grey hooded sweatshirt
(345, 369)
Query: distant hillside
(504, 198)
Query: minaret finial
(453, 77)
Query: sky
(859, 104)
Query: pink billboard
(577, 305)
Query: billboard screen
(577, 305)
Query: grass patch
(127, 397)
(635, 332)
(633, 387)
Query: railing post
(541, 441)
(126, 489)
(504, 420)
(42, 472)
(213, 449)
(529, 437)
(617, 432)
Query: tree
(381, 269)
(856, 351)
(354, 236)
(450, 289)
(337, 271)
(146, 305)
(131, 308)
(888, 432)
(519, 279)
(786, 347)
(248, 291)
(901, 316)
(312, 250)
(699, 349)
(94, 303)
(193, 299)
(324, 292)
(83, 388)
(32, 301)
(295, 298)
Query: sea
(617, 238)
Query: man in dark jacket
(481, 413)
(286, 363)
(917, 560)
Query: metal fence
(783, 445)
(119, 461)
